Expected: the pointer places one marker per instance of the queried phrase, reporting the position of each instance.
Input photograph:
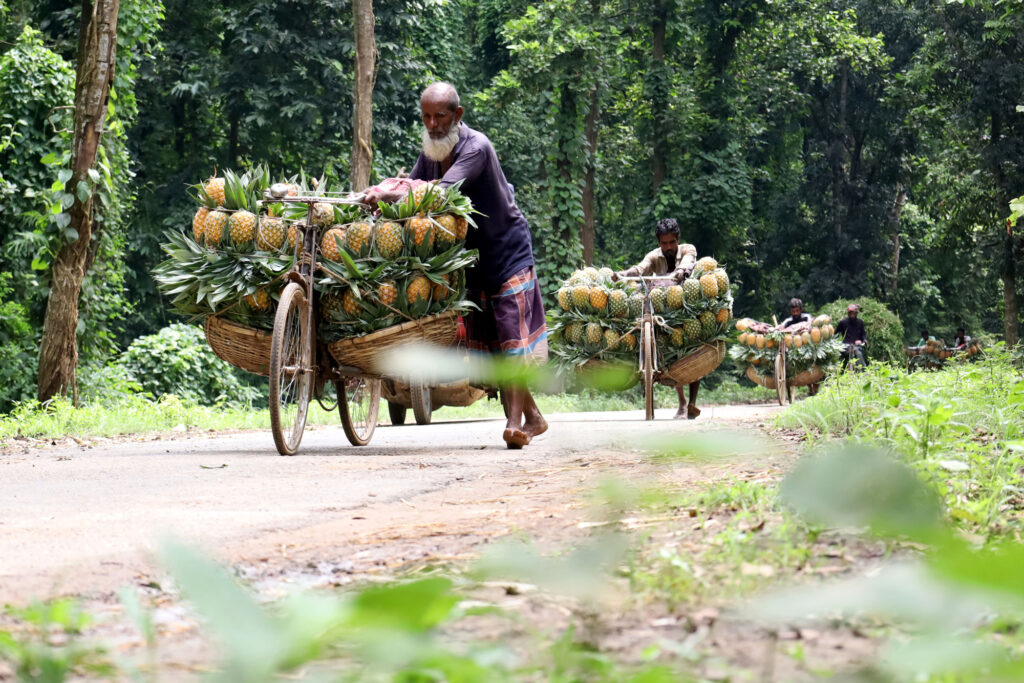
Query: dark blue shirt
(502, 234)
(852, 330)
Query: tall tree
(97, 55)
(362, 109)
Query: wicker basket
(696, 365)
(628, 379)
(244, 347)
(813, 375)
(458, 394)
(367, 352)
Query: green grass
(961, 428)
(127, 413)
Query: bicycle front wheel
(358, 402)
(648, 369)
(291, 370)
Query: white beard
(439, 149)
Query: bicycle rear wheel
(358, 403)
(291, 370)
(421, 405)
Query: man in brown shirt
(674, 261)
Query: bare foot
(692, 412)
(515, 438)
(681, 413)
(535, 427)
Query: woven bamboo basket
(811, 376)
(244, 347)
(368, 352)
(696, 365)
(628, 379)
(458, 394)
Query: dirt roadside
(84, 521)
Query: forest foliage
(824, 149)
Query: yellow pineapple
(329, 244)
(350, 302)
(598, 298)
(418, 290)
(295, 233)
(357, 238)
(388, 238)
(709, 285)
(722, 317)
(242, 227)
(581, 297)
(387, 293)
(629, 341)
(444, 232)
(422, 232)
(270, 233)
(258, 300)
(677, 336)
(611, 339)
(198, 223)
(441, 291)
(564, 299)
(323, 214)
(214, 189)
(461, 227)
(214, 227)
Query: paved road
(84, 519)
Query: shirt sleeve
(468, 166)
(419, 170)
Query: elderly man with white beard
(504, 282)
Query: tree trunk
(589, 209)
(659, 104)
(1011, 322)
(362, 114)
(894, 221)
(97, 43)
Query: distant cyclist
(854, 337)
(797, 316)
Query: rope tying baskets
(367, 352)
(244, 347)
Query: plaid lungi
(511, 320)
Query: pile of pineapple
(807, 345)
(375, 268)
(598, 318)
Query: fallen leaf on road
(214, 467)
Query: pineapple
(350, 301)
(594, 334)
(418, 290)
(270, 232)
(759, 341)
(723, 280)
(722, 317)
(242, 227)
(581, 297)
(199, 222)
(691, 329)
(674, 297)
(678, 336)
(441, 291)
(419, 196)
(422, 232)
(704, 265)
(591, 274)
(606, 274)
(618, 303)
(707, 323)
(579, 334)
(295, 233)
(598, 298)
(636, 305)
(332, 308)
(323, 214)
(214, 189)
(387, 292)
(238, 199)
(691, 290)
(215, 227)
(389, 239)
(564, 299)
(568, 332)
(658, 299)
(629, 341)
(709, 286)
(611, 339)
(258, 300)
(798, 341)
(577, 278)
(816, 335)
(806, 338)
(329, 245)
(461, 228)
(444, 232)
(358, 237)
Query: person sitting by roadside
(674, 261)
(851, 328)
(962, 340)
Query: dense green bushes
(177, 360)
(883, 327)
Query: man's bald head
(441, 92)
